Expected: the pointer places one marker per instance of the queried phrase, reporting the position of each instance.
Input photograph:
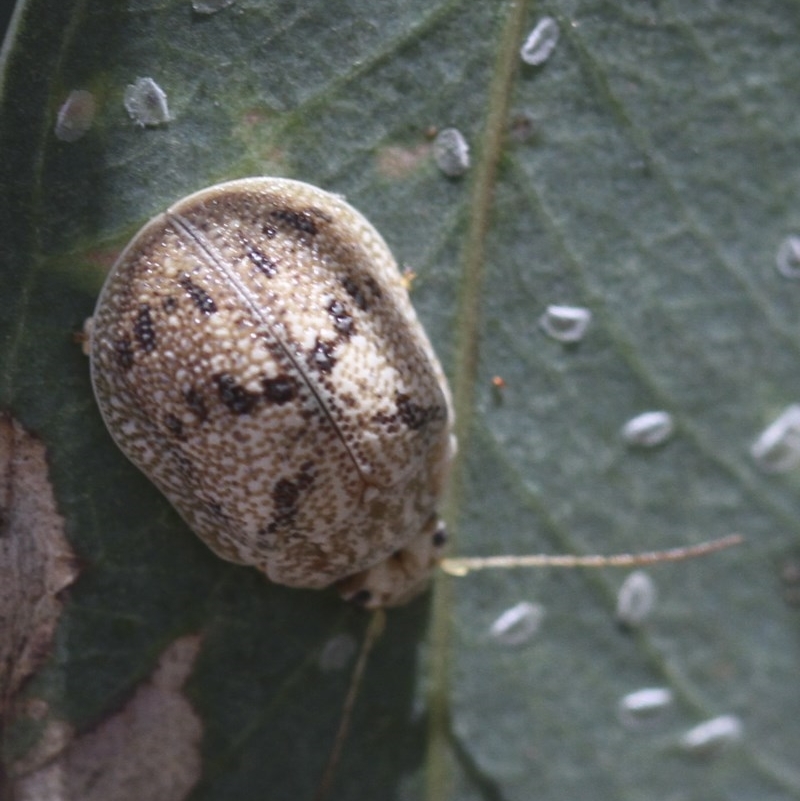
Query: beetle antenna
(374, 630)
(460, 566)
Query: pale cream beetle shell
(255, 353)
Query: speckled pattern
(255, 353)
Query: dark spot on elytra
(413, 414)
(261, 262)
(143, 329)
(170, 304)
(372, 286)
(321, 357)
(201, 298)
(301, 221)
(280, 389)
(174, 425)
(194, 400)
(235, 397)
(269, 231)
(124, 351)
(363, 293)
(353, 289)
(342, 321)
(284, 494)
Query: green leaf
(648, 171)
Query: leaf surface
(647, 171)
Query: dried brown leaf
(36, 562)
(149, 751)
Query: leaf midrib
(512, 18)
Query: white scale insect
(255, 353)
